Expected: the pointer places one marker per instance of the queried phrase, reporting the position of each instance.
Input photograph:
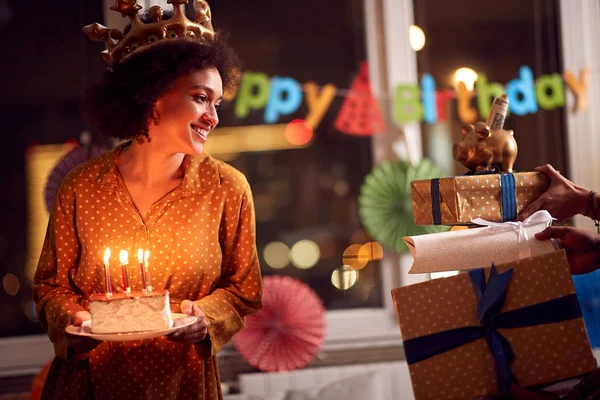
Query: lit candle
(147, 270)
(143, 273)
(107, 272)
(124, 259)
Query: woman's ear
(155, 115)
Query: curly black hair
(121, 105)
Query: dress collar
(201, 172)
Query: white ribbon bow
(538, 217)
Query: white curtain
(580, 25)
(392, 61)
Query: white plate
(179, 321)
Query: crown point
(156, 13)
(203, 15)
(115, 34)
(127, 8)
(106, 56)
(208, 35)
(121, 46)
(96, 31)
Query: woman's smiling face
(187, 113)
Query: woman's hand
(562, 200)
(81, 344)
(582, 246)
(194, 333)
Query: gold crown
(119, 47)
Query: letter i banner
(360, 114)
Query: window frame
(391, 61)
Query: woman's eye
(200, 98)
(217, 107)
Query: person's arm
(58, 305)
(563, 199)
(582, 247)
(239, 290)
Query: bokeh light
(298, 132)
(466, 75)
(357, 256)
(353, 258)
(305, 254)
(11, 284)
(371, 250)
(344, 277)
(276, 255)
(416, 37)
(39, 163)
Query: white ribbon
(538, 217)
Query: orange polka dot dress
(201, 238)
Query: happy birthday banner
(360, 114)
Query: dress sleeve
(239, 289)
(55, 297)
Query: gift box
(526, 311)
(474, 248)
(456, 200)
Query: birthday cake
(130, 312)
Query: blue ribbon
(491, 298)
(509, 200)
(435, 201)
(507, 191)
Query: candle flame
(147, 255)
(124, 257)
(106, 255)
(140, 256)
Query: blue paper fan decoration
(385, 202)
(69, 161)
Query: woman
(157, 191)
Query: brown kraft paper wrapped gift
(466, 197)
(543, 353)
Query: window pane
(501, 42)
(304, 194)
(301, 194)
(41, 91)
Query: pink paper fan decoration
(69, 161)
(289, 330)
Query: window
(487, 46)
(309, 192)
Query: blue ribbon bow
(491, 298)
(507, 194)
